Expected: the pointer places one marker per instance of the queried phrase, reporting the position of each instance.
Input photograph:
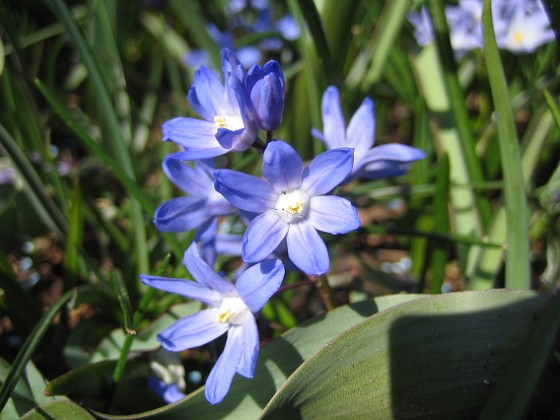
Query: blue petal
(282, 166)
(307, 250)
(388, 160)
(219, 380)
(236, 141)
(228, 244)
(204, 275)
(250, 336)
(192, 331)
(361, 130)
(258, 283)
(170, 393)
(319, 136)
(182, 214)
(244, 191)
(263, 235)
(191, 132)
(333, 214)
(185, 288)
(231, 65)
(195, 180)
(196, 153)
(334, 127)
(327, 171)
(206, 93)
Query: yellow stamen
(294, 208)
(224, 317)
(518, 37)
(221, 122)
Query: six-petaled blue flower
(292, 204)
(226, 126)
(370, 162)
(231, 309)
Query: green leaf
(517, 221)
(437, 357)
(58, 410)
(307, 10)
(441, 220)
(276, 362)
(93, 379)
(2, 51)
(74, 238)
(515, 388)
(371, 60)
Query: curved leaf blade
(410, 360)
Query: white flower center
(518, 37)
(292, 206)
(232, 310)
(231, 122)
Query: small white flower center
(232, 310)
(518, 37)
(292, 206)
(231, 122)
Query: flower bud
(266, 92)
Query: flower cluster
(269, 220)
(521, 26)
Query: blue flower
(225, 126)
(423, 27)
(292, 204)
(524, 25)
(377, 162)
(201, 206)
(231, 309)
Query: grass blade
(517, 230)
(308, 11)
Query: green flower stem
(327, 295)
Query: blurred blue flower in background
(292, 204)
(369, 162)
(254, 18)
(520, 26)
(524, 25)
(231, 309)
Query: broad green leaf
(93, 379)
(517, 230)
(516, 386)
(437, 357)
(58, 410)
(277, 361)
